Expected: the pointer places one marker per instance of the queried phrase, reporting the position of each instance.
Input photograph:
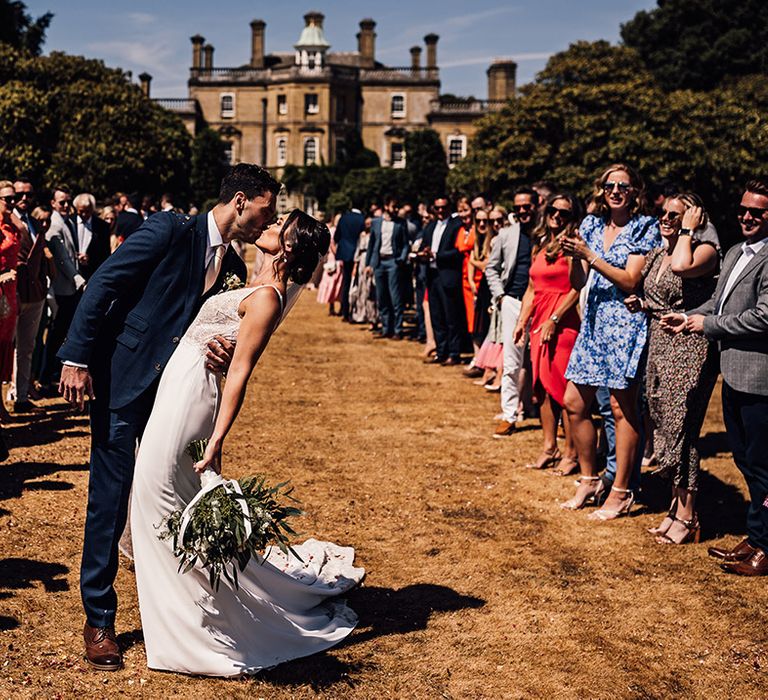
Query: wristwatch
(685, 232)
(555, 319)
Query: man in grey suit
(67, 284)
(507, 273)
(737, 318)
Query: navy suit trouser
(346, 284)
(389, 300)
(746, 423)
(114, 439)
(446, 310)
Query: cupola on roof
(312, 36)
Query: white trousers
(513, 358)
(27, 325)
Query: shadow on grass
(382, 611)
(47, 428)
(22, 476)
(16, 574)
(714, 445)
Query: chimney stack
(431, 41)
(366, 42)
(197, 51)
(145, 79)
(501, 80)
(416, 58)
(207, 57)
(257, 43)
(315, 18)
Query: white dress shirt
(748, 251)
(84, 234)
(214, 239)
(387, 230)
(436, 238)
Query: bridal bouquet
(228, 522)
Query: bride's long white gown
(283, 609)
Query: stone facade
(299, 107)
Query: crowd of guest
(609, 320)
(49, 249)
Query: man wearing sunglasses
(32, 288)
(507, 275)
(737, 318)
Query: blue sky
(154, 36)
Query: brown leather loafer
(101, 649)
(741, 552)
(756, 565)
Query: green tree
(695, 44)
(208, 165)
(364, 186)
(20, 30)
(425, 165)
(73, 120)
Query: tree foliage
(208, 165)
(20, 30)
(695, 44)
(595, 104)
(425, 165)
(73, 120)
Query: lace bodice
(219, 316)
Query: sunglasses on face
(22, 195)
(8, 199)
(64, 202)
(484, 222)
(670, 216)
(754, 212)
(520, 208)
(564, 214)
(624, 187)
(496, 219)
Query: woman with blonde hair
(109, 215)
(682, 369)
(610, 249)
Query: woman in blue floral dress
(611, 246)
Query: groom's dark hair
(249, 179)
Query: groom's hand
(219, 355)
(75, 385)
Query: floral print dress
(609, 349)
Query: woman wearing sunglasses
(10, 243)
(682, 369)
(550, 306)
(610, 250)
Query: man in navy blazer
(387, 254)
(346, 237)
(444, 283)
(134, 311)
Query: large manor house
(300, 106)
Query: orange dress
(10, 242)
(549, 360)
(465, 242)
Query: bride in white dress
(284, 609)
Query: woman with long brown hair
(610, 250)
(549, 305)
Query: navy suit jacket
(400, 245)
(140, 302)
(449, 260)
(347, 235)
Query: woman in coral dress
(465, 243)
(550, 306)
(10, 242)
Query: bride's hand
(211, 459)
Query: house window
(397, 154)
(457, 149)
(311, 105)
(282, 150)
(310, 151)
(282, 104)
(229, 152)
(282, 200)
(227, 105)
(398, 105)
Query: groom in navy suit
(133, 313)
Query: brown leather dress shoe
(742, 551)
(450, 362)
(433, 360)
(101, 648)
(756, 565)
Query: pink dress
(329, 289)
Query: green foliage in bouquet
(216, 536)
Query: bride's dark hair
(308, 240)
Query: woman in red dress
(465, 243)
(10, 242)
(550, 306)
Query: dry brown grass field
(478, 585)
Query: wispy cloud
(487, 60)
(464, 21)
(141, 19)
